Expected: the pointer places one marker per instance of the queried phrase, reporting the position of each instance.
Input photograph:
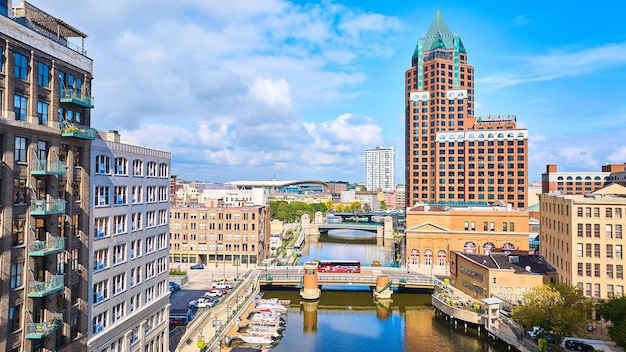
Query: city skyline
(297, 90)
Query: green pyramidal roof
(439, 36)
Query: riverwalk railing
(356, 279)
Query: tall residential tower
(380, 169)
(451, 155)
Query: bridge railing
(356, 278)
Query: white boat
(262, 325)
(264, 332)
(271, 317)
(272, 307)
(253, 338)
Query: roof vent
(528, 268)
(513, 259)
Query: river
(351, 320)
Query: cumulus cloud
(225, 86)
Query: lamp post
(224, 260)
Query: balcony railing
(74, 96)
(77, 131)
(44, 207)
(44, 288)
(35, 331)
(43, 248)
(44, 167)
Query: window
(152, 169)
(119, 222)
(579, 212)
(580, 269)
(151, 193)
(150, 244)
(117, 313)
(137, 167)
(101, 291)
(21, 66)
(609, 212)
(151, 219)
(135, 249)
(17, 270)
(609, 231)
(579, 250)
(18, 230)
(619, 271)
(609, 251)
(121, 166)
(596, 250)
(15, 317)
(163, 170)
(136, 223)
(43, 74)
(618, 251)
(137, 194)
(588, 269)
(42, 113)
(101, 259)
(119, 283)
(99, 322)
(119, 254)
(163, 194)
(101, 227)
(588, 250)
(618, 231)
(20, 149)
(596, 212)
(101, 196)
(102, 164)
(609, 271)
(120, 195)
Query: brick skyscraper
(452, 155)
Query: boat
(264, 332)
(262, 325)
(257, 339)
(267, 317)
(272, 305)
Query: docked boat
(272, 305)
(261, 325)
(267, 318)
(264, 332)
(257, 339)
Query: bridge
(365, 226)
(384, 229)
(399, 278)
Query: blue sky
(252, 90)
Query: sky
(293, 90)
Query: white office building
(380, 164)
(129, 242)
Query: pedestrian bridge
(296, 280)
(365, 226)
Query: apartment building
(380, 169)
(219, 235)
(451, 154)
(582, 237)
(581, 182)
(128, 277)
(432, 232)
(45, 114)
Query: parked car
(222, 285)
(197, 266)
(202, 302)
(575, 345)
(535, 332)
(174, 286)
(175, 322)
(216, 292)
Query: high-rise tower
(451, 155)
(380, 165)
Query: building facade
(45, 114)
(219, 235)
(451, 155)
(582, 237)
(432, 232)
(128, 276)
(581, 182)
(380, 169)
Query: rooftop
(520, 263)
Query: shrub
(178, 272)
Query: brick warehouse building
(451, 155)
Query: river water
(351, 320)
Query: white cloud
(618, 156)
(565, 62)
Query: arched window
(414, 257)
(121, 166)
(441, 257)
(428, 257)
(508, 247)
(469, 247)
(103, 164)
(488, 247)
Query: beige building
(432, 232)
(506, 276)
(581, 235)
(218, 235)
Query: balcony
(77, 131)
(44, 207)
(44, 288)
(35, 331)
(43, 248)
(74, 96)
(43, 167)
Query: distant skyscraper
(380, 164)
(451, 155)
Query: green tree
(559, 308)
(354, 206)
(614, 310)
(383, 205)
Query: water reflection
(354, 321)
(346, 244)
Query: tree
(559, 308)
(614, 310)
(383, 205)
